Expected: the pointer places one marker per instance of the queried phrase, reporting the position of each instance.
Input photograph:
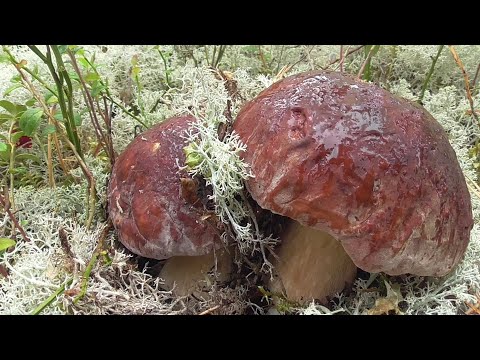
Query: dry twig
(467, 82)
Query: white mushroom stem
(312, 265)
(188, 275)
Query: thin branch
(367, 60)
(206, 54)
(473, 190)
(208, 311)
(467, 82)
(474, 82)
(58, 78)
(128, 112)
(66, 171)
(109, 96)
(430, 72)
(213, 56)
(13, 218)
(90, 106)
(262, 58)
(347, 54)
(52, 297)
(32, 74)
(107, 116)
(11, 166)
(63, 236)
(282, 48)
(167, 79)
(93, 260)
(51, 179)
(220, 54)
(342, 59)
(62, 70)
(284, 70)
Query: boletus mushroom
(369, 179)
(155, 208)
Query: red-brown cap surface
(146, 204)
(374, 170)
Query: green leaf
(30, 120)
(3, 147)
(134, 61)
(5, 117)
(52, 100)
(4, 58)
(135, 71)
(16, 79)
(58, 116)
(48, 94)
(92, 77)
(5, 243)
(62, 49)
(250, 49)
(10, 107)
(31, 157)
(16, 136)
(97, 88)
(84, 63)
(17, 171)
(11, 88)
(76, 49)
(49, 129)
(30, 102)
(73, 75)
(20, 110)
(192, 157)
(77, 119)
(5, 155)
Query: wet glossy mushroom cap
(145, 198)
(374, 170)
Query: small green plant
(22, 123)
(6, 243)
(217, 54)
(282, 304)
(429, 74)
(165, 55)
(366, 69)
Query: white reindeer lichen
(219, 162)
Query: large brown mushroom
(155, 209)
(364, 174)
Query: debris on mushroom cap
(374, 170)
(147, 203)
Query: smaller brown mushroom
(158, 217)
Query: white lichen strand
(225, 172)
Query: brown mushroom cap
(146, 204)
(373, 170)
